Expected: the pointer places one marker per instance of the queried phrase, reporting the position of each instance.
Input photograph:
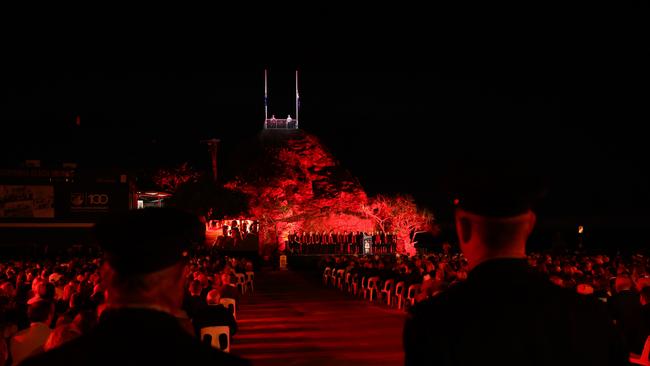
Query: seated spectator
(4, 347)
(30, 341)
(229, 289)
(645, 310)
(44, 291)
(61, 335)
(7, 290)
(56, 279)
(625, 309)
(194, 302)
(85, 320)
(585, 289)
(214, 314)
(216, 282)
(74, 307)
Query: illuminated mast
(266, 99)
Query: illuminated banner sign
(26, 201)
(89, 202)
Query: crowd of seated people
(340, 242)
(622, 284)
(443, 269)
(45, 303)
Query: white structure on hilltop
(279, 123)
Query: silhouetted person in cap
(144, 272)
(506, 313)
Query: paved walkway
(292, 320)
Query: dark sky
(397, 129)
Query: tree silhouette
(170, 179)
(399, 214)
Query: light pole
(213, 145)
(581, 230)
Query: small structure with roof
(273, 123)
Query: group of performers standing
(341, 243)
(234, 234)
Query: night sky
(397, 129)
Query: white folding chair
(326, 275)
(412, 292)
(332, 281)
(644, 358)
(399, 293)
(250, 277)
(388, 290)
(229, 304)
(241, 282)
(357, 290)
(372, 287)
(219, 337)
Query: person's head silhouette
(494, 210)
(146, 256)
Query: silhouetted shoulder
(436, 305)
(87, 351)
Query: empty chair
(230, 304)
(326, 275)
(387, 292)
(241, 282)
(250, 277)
(217, 337)
(356, 284)
(372, 287)
(644, 358)
(412, 292)
(399, 293)
(362, 288)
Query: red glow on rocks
(297, 185)
(308, 191)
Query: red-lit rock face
(299, 186)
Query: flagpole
(266, 98)
(297, 100)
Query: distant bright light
(456, 202)
(580, 229)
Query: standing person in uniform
(505, 313)
(316, 242)
(330, 244)
(310, 243)
(358, 238)
(376, 243)
(298, 239)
